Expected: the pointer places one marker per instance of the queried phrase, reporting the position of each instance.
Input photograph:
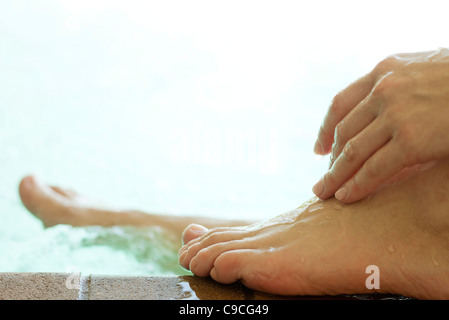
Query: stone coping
(64, 286)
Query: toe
(26, 183)
(218, 235)
(251, 267)
(193, 231)
(188, 254)
(26, 191)
(257, 269)
(42, 201)
(215, 236)
(230, 266)
(33, 192)
(203, 262)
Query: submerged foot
(325, 247)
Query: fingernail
(318, 188)
(341, 193)
(318, 147)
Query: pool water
(177, 115)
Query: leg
(324, 247)
(54, 205)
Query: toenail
(197, 229)
(213, 274)
(341, 193)
(318, 188)
(26, 182)
(184, 264)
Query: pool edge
(65, 286)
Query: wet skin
(322, 247)
(325, 247)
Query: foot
(53, 205)
(325, 247)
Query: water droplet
(390, 248)
(435, 261)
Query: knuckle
(350, 150)
(385, 85)
(356, 185)
(329, 179)
(386, 65)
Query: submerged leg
(54, 205)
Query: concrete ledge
(64, 286)
(161, 288)
(35, 286)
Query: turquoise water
(163, 108)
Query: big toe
(27, 190)
(193, 231)
(37, 197)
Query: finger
(355, 153)
(386, 162)
(342, 103)
(355, 121)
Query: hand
(393, 118)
